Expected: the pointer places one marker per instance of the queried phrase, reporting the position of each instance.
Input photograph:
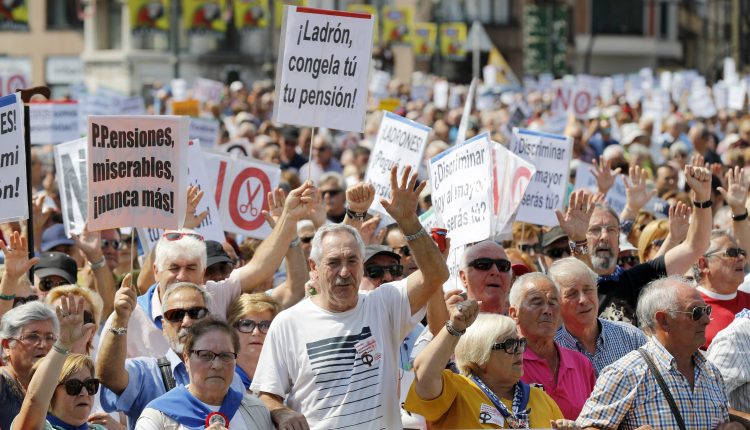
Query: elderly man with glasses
(485, 274)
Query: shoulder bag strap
(664, 388)
(166, 373)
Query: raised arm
(679, 222)
(17, 264)
(359, 198)
(605, 176)
(736, 195)
(575, 221)
(636, 192)
(432, 271)
(98, 273)
(680, 258)
(110, 368)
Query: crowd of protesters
(339, 319)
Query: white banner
(53, 122)
(207, 90)
(511, 177)
(461, 180)
(72, 181)
(13, 196)
(322, 70)
(400, 142)
(550, 154)
(206, 130)
(137, 171)
(736, 99)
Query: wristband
(60, 349)
(415, 236)
(452, 330)
(578, 248)
(7, 296)
(118, 331)
(99, 264)
(740, 217)
(702, 205)
(356, 216)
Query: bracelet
(294, 243)
(7, 297)
(452, 330)
(60, 349)
(356, 216)
(740, 217)
(99, 264)
(415, 236)
(118, 331)
(702, 205)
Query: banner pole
(310, 159)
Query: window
(495, 12)
(63, 15)
(114, 26)
(617, 17)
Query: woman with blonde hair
(659, 236)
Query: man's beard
(603, 263)
(178, 342)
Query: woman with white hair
(488, 392)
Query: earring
(312, 291)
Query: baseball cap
(54, 236)
(373, 250)
(625, 244)
(556, 233)
(56, 263)
(215, 253)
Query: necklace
(11, 376)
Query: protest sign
(511, 176)
(400, 142)
(428, 219)
(13, 196)
(132, 106)
(578, 99)
(72, 181)
(398, 24)
(455, 255)
(207, 90)
(389, 104)
(186, 107)
(53, 122)
(322, 72)
(736, 99)
(550, 154)
(242, 187)
(462, 190)
(251, 14)
(206, 130)
(440, 94)
(137, 171)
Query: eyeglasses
(729, 252)
(596, 230)
(47, 284)
(530, 249)
(333, 193)
(248, 326)
(88, 317)
(657, 243)
(485, 264)
(698, 312)
(177, 235)
(403, 251)
(209, 356)
(178, 314)
(377, 272)
(511, 345)
(320, 148)
(18, 301)
(116, 244)
(74, 386)
(219, 270)
(630, 260)
(36, 339)
(306, 239)
(557, 252)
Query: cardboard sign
(576, 99)
(511, 176)
(462, 190)
(205, 130)
(13, 196)
(550, 154)
(322, 72)
(400, 142)
(207, 90)
(53, 122)
(72, 180)
(137, 171)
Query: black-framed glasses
(628, 260)
(511, 345)
(729, 252)
(18, 301)
(209, 356)
(178, 314)
(485, 264)
(36, 338)
(530, 249)
(88, 317)
(177, 235)
(74, 386)
(403, 251)
(47, 284)
(558, 252)
(248, 326)
(306, 239)
(596, 230)
(698, 312)
(115, 244)
(377, 272)
(333, 192)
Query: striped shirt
(615, 340)
(627, 396)
(730, 352)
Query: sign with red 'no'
(242, 187)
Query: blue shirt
(146, 300)
(145, 384)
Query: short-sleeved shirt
(615, 340)
(575, 378)
(724, 308)
(463, 405)
(618, 298)
(627, 395)
(730, 352)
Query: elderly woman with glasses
(210, 356)
(65, 405)
(251, 316)
(488, 393)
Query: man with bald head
(485, 274)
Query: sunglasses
(697, 312)
(729, 252)
(178, 314)
(18, 301)
(248, 326)
(403, 251)
(74, 386)
(630, 260)
(657, 242)
(115, 244)
(377, 272)
(177, 235)
(332, 193)
(306, 239)
(485, 264)
(511, 345)
(557, 252)
(529, 248)
(47, 284)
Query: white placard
(550, 154)
(132, 106)
(72, 181)
(736, 99)
(461, 180)
(400, 142)
(205, 130)
(322, 71)
(15, 73)
(54, 122)
(440, 94)
(511, 177)
(13, 196)
(208, 90)
(137, 171)
(576, 99)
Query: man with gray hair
(602, 341)
(332, 361)
(634, 391)
(485, 274)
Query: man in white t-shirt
(332, 361)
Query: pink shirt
(575, 379)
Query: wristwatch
(118, 331)
(356, 216)
(579, 248)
